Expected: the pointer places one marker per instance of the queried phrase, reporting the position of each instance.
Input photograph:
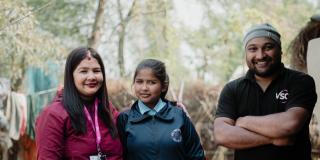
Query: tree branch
(26, 15)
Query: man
(265, 114)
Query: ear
(164, 88)
(280, 53)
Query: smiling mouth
(261, 63)
(92, 85)
(144, 95)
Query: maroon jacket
(56, 139)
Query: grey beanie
(262, 30)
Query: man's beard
(274, 68)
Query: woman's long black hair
(71, 98)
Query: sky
(189, 12)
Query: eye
(138, 81)
(152, 82)
(83, 71)
(97, 70)
(252, 49)
(268, 47)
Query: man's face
(263, 56)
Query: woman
(80, 122)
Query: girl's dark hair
(298, 47)
(71, 98)
(159, 70)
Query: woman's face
(88, 77)
(148, 87)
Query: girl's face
(148, 87)
(88, 77)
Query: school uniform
(161, 133)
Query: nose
(91, 76)
(145, 86)
(260, 54)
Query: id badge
(97, 157)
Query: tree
(142, 30)
(162, 38)
(95, 38)
(124, 20)
(20, 45)
(70, 22)
(219, 41)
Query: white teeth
(261, 63)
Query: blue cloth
(145, 109)
(41, 88)
(168, 135)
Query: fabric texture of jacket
(56, 138)
(168, 135)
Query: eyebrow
(270, 43)
(147, 79)
(89, 68)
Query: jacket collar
(144, 108)
(164, 114)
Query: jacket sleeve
(121, 124)
(192, 144)
(49, 135)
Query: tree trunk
(16, 83)
(120, 50)
(94, 40)
(122, 34)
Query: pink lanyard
(95, 125)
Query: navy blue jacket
(168, 135)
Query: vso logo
(282, 96)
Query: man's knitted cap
(262, 30)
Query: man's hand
(181, 105)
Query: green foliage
(162, 38)
(70, 21)
(21, 44)
(216, 46)
(219, 43)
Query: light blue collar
(145, 109)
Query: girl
(155, 128)
(79, 123)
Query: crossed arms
(252, 131)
